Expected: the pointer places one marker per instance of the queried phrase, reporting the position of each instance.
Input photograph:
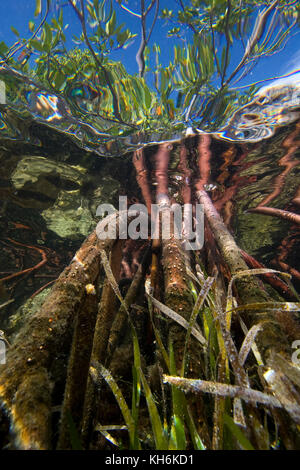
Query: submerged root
(105, 316)
(25, 381)
(249, 290)
(178, 298)
(271, 340)
(78, 368)
(102, 328)
(120, 320)
(39, 344)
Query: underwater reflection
(273, 106)
(75, 113)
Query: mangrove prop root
(105, 317)
(296, 199)
(225, 241)
(178, 297)
(107, 308)
(78, 369)
(45, 337)
(161, 160)
(120, 320)
(28, 270)
(142, 177)
(270, 278)
(24, 381)
(186, 190)
(286, 215)
(283, 252)
(42, 288)
(271, 337)
(203, 161)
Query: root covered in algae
(188, 336)
(25, 381)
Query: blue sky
(17, 13)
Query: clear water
(217, 111)
(55, 171)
